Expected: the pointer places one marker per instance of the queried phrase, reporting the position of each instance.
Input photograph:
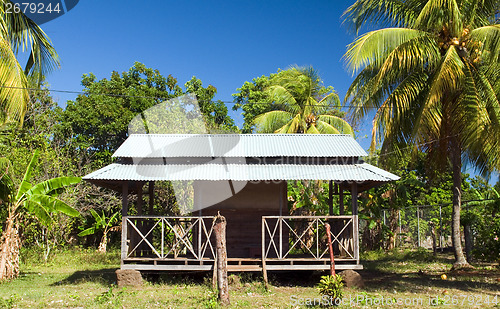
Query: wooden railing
(163, 237)
(286, 237)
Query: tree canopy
(97, 121)
(290, 101)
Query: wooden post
(140, 200)
(342, 238)
(355, 226)
(151, 189)
(264, 269)
(330, 197)
(330, 247)
(333, 189)
(125, 199)
(124, 248)
(281, 222)
(341, 200)
(220, 241)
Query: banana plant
(39, 200)
(104, 224)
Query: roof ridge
(236, 134)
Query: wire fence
(422, 227)
(427, 226)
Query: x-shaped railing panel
(315, 226)
(176, 235)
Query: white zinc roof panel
(239, 145)
(242, 172)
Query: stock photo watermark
(379, 300)
(40, 11)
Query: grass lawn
(84, 279)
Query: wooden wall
(244, 212)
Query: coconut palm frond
(373, 47)
(18, 32)
(284, 129)
(438, 13)
(338, 123)
(414, 54)
(26, 35)
(329, 102)
(395, 12)
(282, 97)
(271, 121)
(487, 40)
(13, 95)
(401, 71)
(296, 125)
(447, 78)
(482, 112)
(326, 128)
(398, 111)
(312, 130)
(359, 107)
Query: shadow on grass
(278, 278)
(418, 255)
(105, 276)
(377, 280)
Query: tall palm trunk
(456, 160)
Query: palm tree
(432, 78)
(39, 200)
(20, 33)
(306, 106)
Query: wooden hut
(244, 177)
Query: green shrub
(331, 286)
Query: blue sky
(224, 43)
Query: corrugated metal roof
(349, 172)
(239, 145)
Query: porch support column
(151, 189)
(197, 199)
(124, 248)
(283, 193)
(283, 196)
(355, 232)
(125, 199)
(341, 199)
(140, 200)
(330, 198)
